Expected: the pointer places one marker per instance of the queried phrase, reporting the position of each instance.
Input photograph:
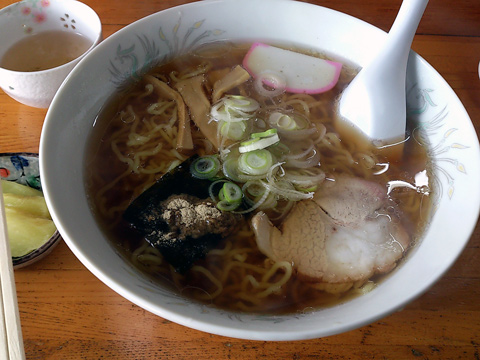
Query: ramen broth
(232, 276)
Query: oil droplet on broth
(45, 50)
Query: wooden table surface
(67, 313)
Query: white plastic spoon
(375, 101)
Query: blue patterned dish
(23, 168)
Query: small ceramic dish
(28, 18)
(23, 168)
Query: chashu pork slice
(341, 237)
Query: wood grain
(67, 313)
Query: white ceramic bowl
(432, 102)
(29, 17)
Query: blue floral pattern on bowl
(129, 64)
(422, 102)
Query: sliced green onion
(233, 108)
(282, 121)
(212, 189)
(256, 204)
(230, 168)
(242, 103)
(233, 130)
(258, 143)
(305, 178)
(221, 113)
(255, 162)
(286, 123)
(205, 167)
(249, 142)
(270, 202)
(229, 196)
(221, 195)
(224, 205)
(307, 190)
(289, 194)
(279, 149)
(301, 121)
(231, 192)
(253, 188)
(264, 134)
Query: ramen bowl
(454, 151)
(26, 19)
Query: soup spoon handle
(375, 101)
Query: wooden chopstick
(11, 332)
(3, 330)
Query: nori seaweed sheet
(143, 214)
